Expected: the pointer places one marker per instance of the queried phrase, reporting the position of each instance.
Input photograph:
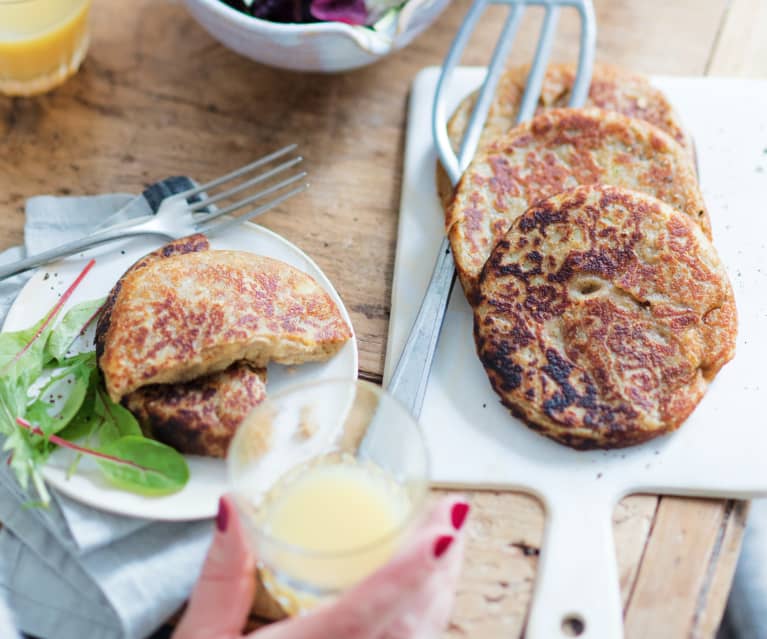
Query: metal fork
(410, 377)
(184, 213)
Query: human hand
(409, 598)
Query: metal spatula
(408, 382)
(562, 613)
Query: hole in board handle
(573, 625)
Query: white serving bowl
(320, 46)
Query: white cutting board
(475, 443)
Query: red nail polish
(442, 544)
(458, 514)
(222, 518)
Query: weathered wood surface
(157, 96)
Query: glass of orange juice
(42, 43)
(323, 504)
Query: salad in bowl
(315, 35)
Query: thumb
(222, 598)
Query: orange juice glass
(42, 43)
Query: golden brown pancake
(556, 151)
(603, 316)
(199, 417)
(612, 89)
(192, 314)
(190, 244)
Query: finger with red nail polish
(458, 514)
(222, 598)
(442, 544)
(222, 518)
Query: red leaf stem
(91, 318)
(64, 443)
(53, 313)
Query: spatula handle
(577, 591)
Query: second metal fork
(185, 213)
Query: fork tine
(202, 223)
(439, 111)
(540, 62)
(585, 55)
(482, 107)
(225, 224)
(237, 173)
(201, 204)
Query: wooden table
(157, 96)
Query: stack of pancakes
(186, 334)
(601, 308)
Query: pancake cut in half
(191, 314)
(612, 89)
(199, 417)
(603, 315)
(556, 151)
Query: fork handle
(70, 248)
(408, 382)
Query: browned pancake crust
(191, 314)
(190, 244)
(603, 316)
(612, 89)
(199, 417)
(556, 151)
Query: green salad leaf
(144, 465)
(22, 354)
(116, 421)
(72, 405)
(72, 378)
(72, 325)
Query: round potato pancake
(192, 314)
(556, 151)
(612, 89)
(199, 417)
(603, 316)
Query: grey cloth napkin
(70, 571)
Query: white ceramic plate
(199, 498)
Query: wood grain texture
(741, 48)
(158, 96)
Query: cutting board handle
(577, 592)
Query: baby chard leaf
(22, 355)
(85, 420)
(75, 322)
(22, 358)
(143, 466)
(133, 463)
(116, 420)
(78, 375)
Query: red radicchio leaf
(348, 11)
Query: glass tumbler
(42, 43)
(328, 479)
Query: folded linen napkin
(70, 571)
